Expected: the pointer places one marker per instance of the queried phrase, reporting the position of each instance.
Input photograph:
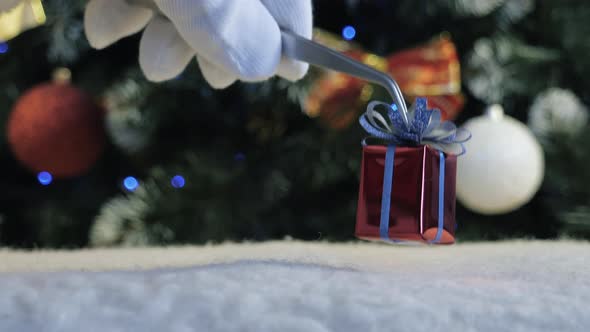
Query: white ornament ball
(503, 167)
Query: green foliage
(568, 181)
(253, 179)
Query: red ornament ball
(57, 128)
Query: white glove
(232, 39)
(7, 5)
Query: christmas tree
(180, 162)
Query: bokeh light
(130, 183)
(240, 156)
(44, 178)
(3, 47)
(177, 181)
(348, 32)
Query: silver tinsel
(495, 67)
(66, 39)
(124, 129)
(125, 220)
(474, 7)
(126, 125)
(508, 11)
(121, 220)
(485, 72)
(577, 218)
(514, 10)
(119, 223)
(557, 111)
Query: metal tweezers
(305, 50)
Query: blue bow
(422, 127)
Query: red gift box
(414, 208)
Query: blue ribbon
(386, 197)
(441, 198)
(424, 127)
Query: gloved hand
(7, 5)
(231, 39)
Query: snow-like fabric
(294, 286)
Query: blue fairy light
(239, 156)
(44, 178)
(130, 183)
(348, 32)
(394, 106)
(177, 181)
(3, 47)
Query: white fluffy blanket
(295, 286)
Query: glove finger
(163, 54)
(214, 75)
(295, 16)
(239, 36)
(8, 5)
(107, 21)
(292, 70)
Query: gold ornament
(25, 15)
